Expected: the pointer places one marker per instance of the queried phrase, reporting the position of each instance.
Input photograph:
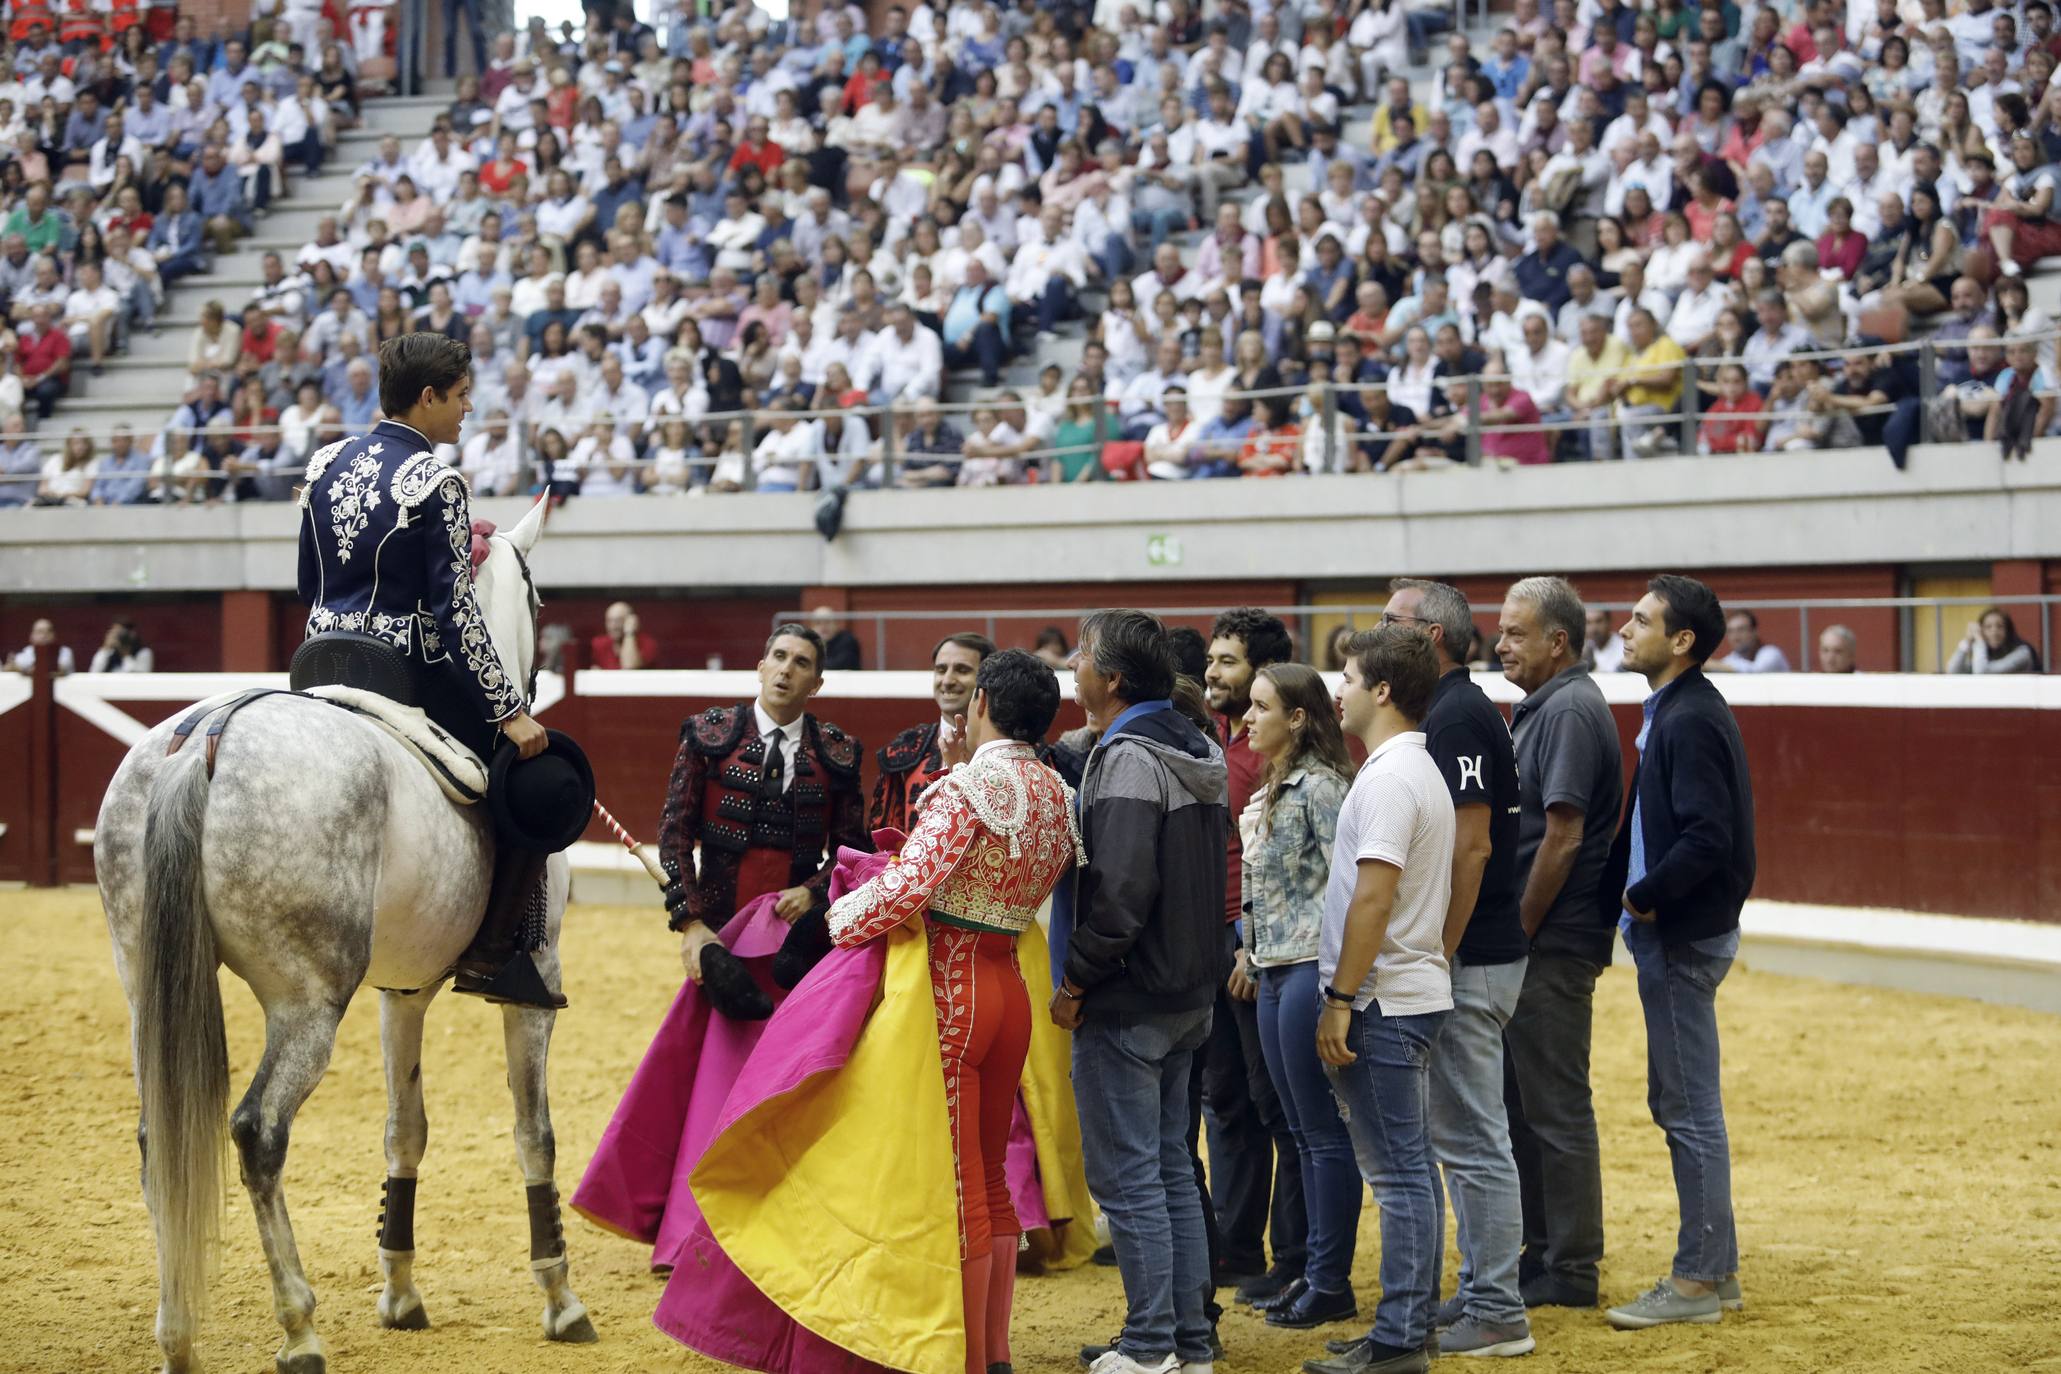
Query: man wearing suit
(1676, 878)
(176, 239)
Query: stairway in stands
(143, 387)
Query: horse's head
(508, 596)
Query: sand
(1897, 1174)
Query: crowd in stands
(697, 250)
(136, 150)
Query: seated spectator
(1746, 652)
(123, 477)
(68, 473)
(1992, 645)
(123, 650)
(623, 642)
(1837, 649)
(45, 357)
(1722, 431)
(42, 635)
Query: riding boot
(497, 965)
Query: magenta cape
(636, 1184)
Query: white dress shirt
(790, 743)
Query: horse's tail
(182, 1053)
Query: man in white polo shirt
(1387, 988)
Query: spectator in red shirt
(1721, 431)
(624, 645)
(260, 334)
(1504, 404)
(757, 149)
(1841, 245)
(45, 358)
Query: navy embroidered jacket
(386, 550)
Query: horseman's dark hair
(410, 362)
(1022, 693)
(794, 629)
(981, 646)
(1133, 647)
(1264, 636)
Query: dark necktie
(773, 781)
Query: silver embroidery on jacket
(353, 496)
(475, 647)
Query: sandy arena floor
(1898, 1175)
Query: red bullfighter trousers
(983, 1031)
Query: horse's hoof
(310, 1362)
(415, 1318)
(580, 1332)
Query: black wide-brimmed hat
(545, 802)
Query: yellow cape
(1048, 1096)
(839, 1199)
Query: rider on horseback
(386, 569)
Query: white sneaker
(1199, 1367)
(1116, 1362)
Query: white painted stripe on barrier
(14, 690)
(732, 684)
(89, 696)
(1963, 939)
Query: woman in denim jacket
(1287, 832)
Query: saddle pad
(456, 768)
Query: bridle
(536, 617)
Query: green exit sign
(1163, 550)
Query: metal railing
(1345, 447)
(1303, 618)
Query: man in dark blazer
(1677, 876)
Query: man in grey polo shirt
(1570, 767)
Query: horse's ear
(524, 535)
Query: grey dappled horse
(321, 856)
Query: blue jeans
(1331, 1187)
(1678, 989)
(1385, 1097)
(1131, 1082)
(1470, 1134)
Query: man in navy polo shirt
(1485, 945)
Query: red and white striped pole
(643, 851)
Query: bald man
(623, 644)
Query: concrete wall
(1955, 503)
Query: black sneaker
(1269, 1285)
(1313, 1308)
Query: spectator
(623, 643)
(123, 650)
(1678, 874)
(1386, 987)
(1992, 645)
(840, 645)
(1255, 1180)
(1142, 968)
(1484, 948)
(123, 478)
(1051, 646)
(1286, 833)
(46, 360)
(43, 634)
(1569, 764)
(216, 344)
(1746, 652)
(68, 473)
(1837, 650)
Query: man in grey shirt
(1570, 767)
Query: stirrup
(516, 983)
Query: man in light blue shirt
(976, 325)
(124, 474)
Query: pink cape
(636, 1184)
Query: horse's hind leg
(298, 1041)
(528, 1034)
(407, 1136)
